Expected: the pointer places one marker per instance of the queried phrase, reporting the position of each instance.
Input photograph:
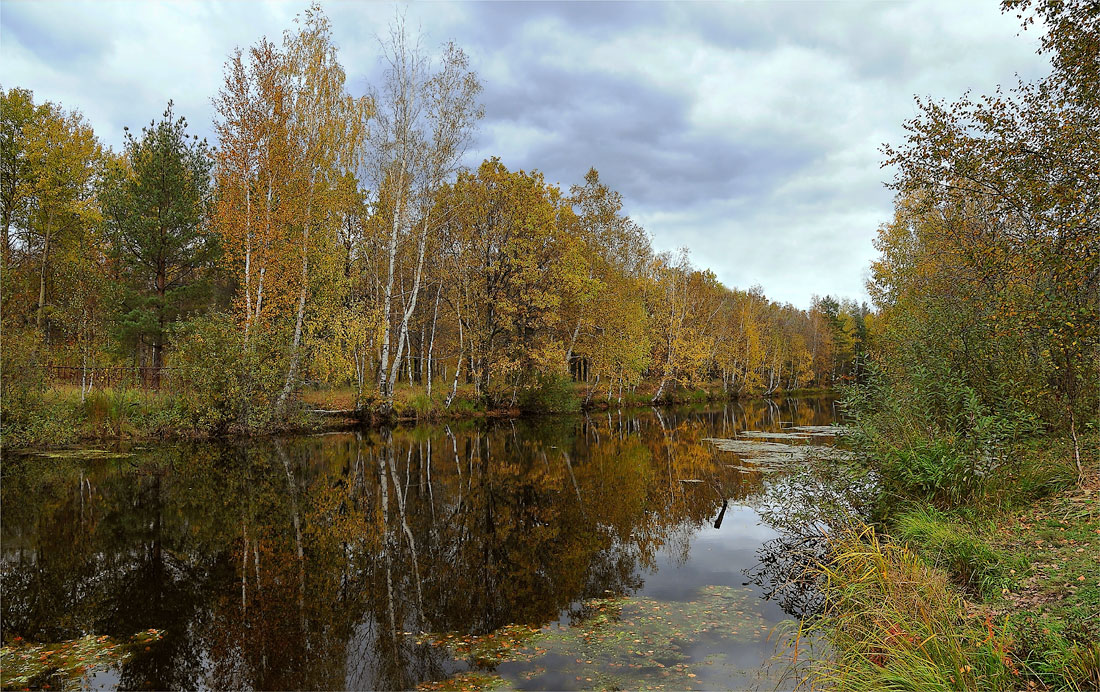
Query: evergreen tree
(155, 203)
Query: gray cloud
(748, 132)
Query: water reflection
(306, 563)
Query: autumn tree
(670, 304)
(251, 166)
(503, 235)
(17, 110)
(1009, 184)
(325, 129)
(603, 309)
(55, 159)
(289, 135)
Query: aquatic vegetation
(467, 680)
(617, 643)
(505, 644)
(773, 435)
(63, 665)
(765, 456)
(821, 430)
(894, 622)
(83, 454)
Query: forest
(332, 250)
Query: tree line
(988, 280)
(337, 240)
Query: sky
(748, 132)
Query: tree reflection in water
(312, 562)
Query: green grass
(998, 595)
(1054, 609)
(59, 417)
(956, 548)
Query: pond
(620, 550)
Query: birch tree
(326, 129)
(424, 121)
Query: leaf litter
(617, 643)
(65, 665)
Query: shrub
(47, 421)
(930, 436)
(549, 393)
(240, 392)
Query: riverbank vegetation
(331, 242)
(978, 412)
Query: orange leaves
(287, 133)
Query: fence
(100, 377)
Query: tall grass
(896, 623)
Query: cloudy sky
(748, 132)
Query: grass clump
(954, 547)
(895, 622)
(550, 393)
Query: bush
(240, 392)
(550, 393)
(930, 436)
(46, 421)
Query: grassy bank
(59, 416)
(998, 594)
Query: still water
(604, 551)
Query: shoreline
(1001, 594)
(320, 420)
